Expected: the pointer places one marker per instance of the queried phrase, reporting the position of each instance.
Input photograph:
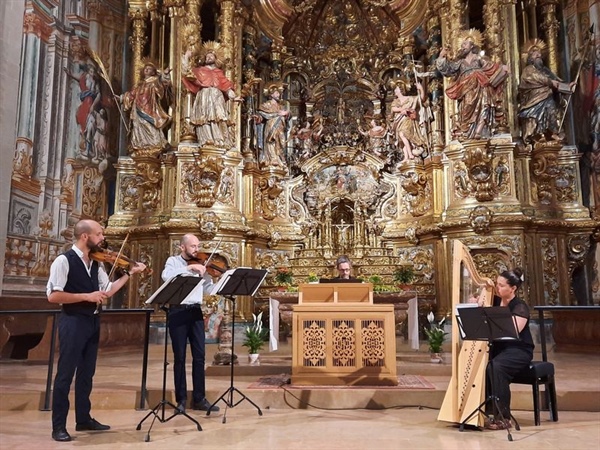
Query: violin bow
(112, 270)
(213, 252)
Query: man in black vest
(79, 284)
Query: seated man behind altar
(344, 268)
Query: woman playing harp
(508, 357)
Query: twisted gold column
(550, 27)
(138, 14)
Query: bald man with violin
(79, 283)
(186, 322)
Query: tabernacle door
(469, 358)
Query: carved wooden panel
(344, 344)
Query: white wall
(11, 35)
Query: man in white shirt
(186, 322)
(79, 284)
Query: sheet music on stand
(249, 278)
(189, 289)
(491, 323)
(458, 319)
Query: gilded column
(512, 59)
(192, 30)
(276, 50)
(495, 49)
(193, 23)
(227, 39)
(452, 13)
(176, 10)
(550, 27)
(137, 14)
(499, 16)
(155, 32)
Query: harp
(469, 358)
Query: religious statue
(272, 129)
(148, 115)
(406, 125)
(477, 82)
(212, 89)
(538, 113)
(100, 145)
(89, 94)
(307, 137)
(376, 135)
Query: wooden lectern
(341, 338)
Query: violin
(216, 267)
(111, 257)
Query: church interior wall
(72, 158)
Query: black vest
(79, 282)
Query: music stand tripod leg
(161, 406)
(229, 403)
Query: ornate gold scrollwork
(481, 219)
(411, 235)
(270, 189)
(274, 236)
(149, 176)
(208, 224)
(545, 169)
(478, 160)
(92, 192)
(200, 180)
(550, 266)
(130, 193)
(417, 192)
(578, 247)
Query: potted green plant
(283, 277)
(403, 276)
(254, 337)
(313, 278)
(435, 337)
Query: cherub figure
(376, 135)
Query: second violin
(217, 264)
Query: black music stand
(241, 281)
(489, 324)
(173, 292)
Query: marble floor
(319, 419)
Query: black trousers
(78, 350)
(500, 371)
(188, 324)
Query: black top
(79, 282)
(340, 280)
(520, 309)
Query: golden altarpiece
(337, 132)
